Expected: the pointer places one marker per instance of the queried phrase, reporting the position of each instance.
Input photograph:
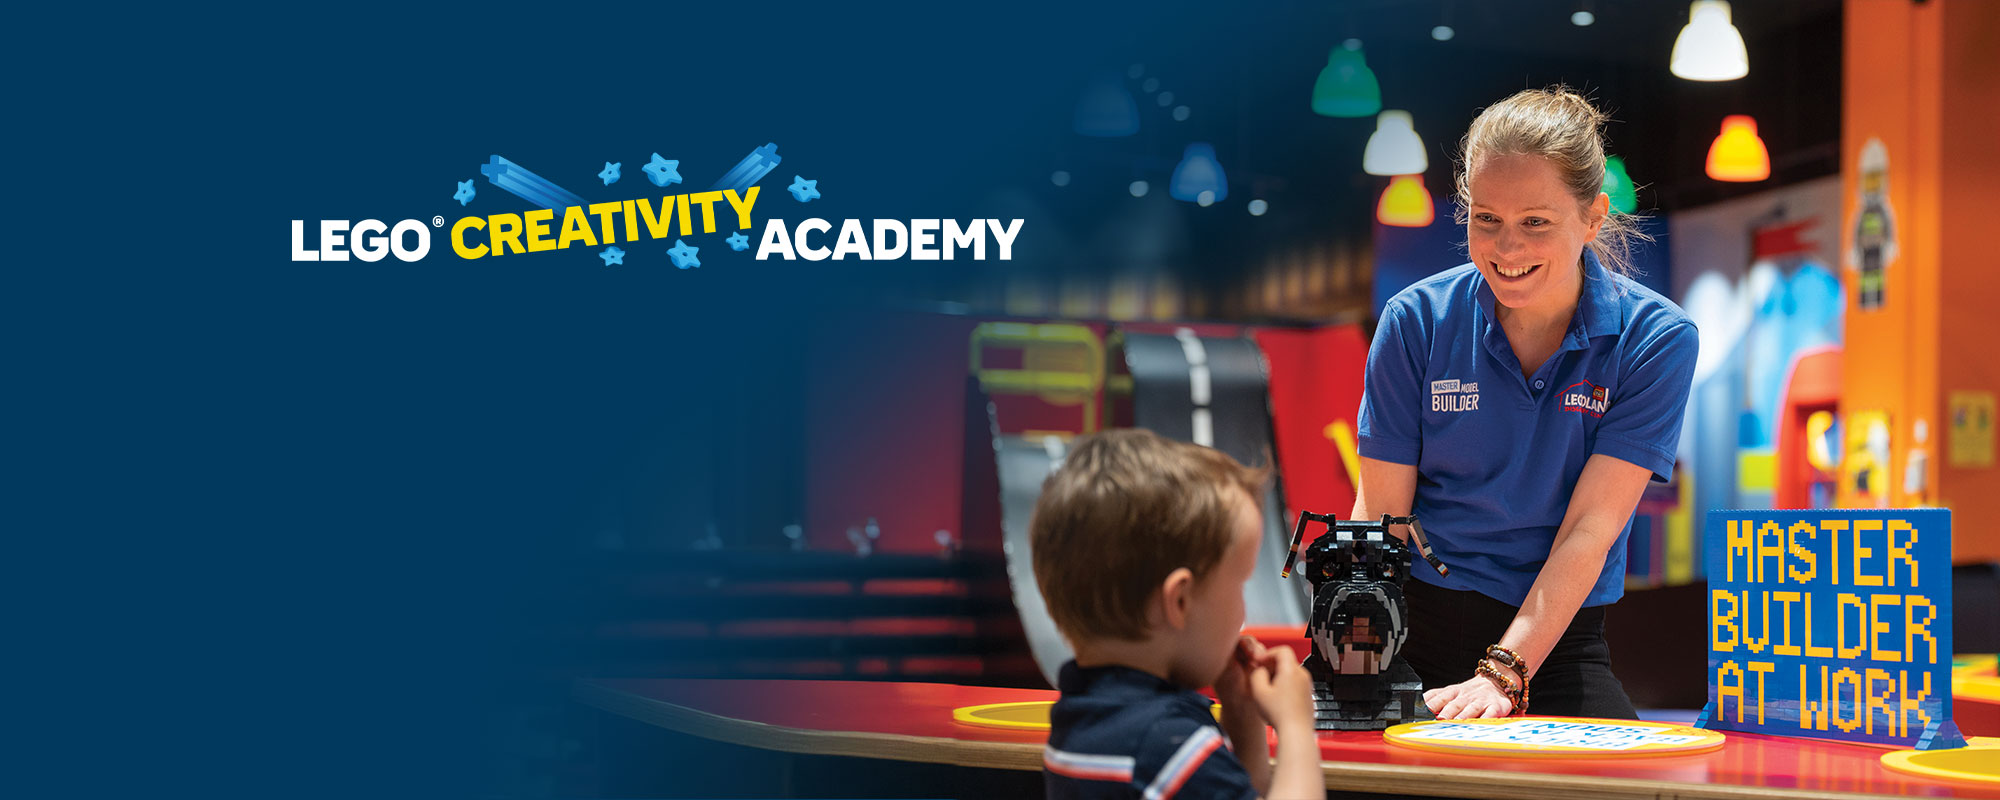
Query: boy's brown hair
(1127, 508)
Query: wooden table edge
(892, 746)
(1025, 756)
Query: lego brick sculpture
(1359, 622)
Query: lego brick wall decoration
(1832, 624)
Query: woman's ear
(1176, 595)
(1600, 210)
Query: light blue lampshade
(1107, 108)
(1197, 173)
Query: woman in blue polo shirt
(1518, 405)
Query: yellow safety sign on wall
(1971, 443)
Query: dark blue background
(291, 529)
(300, 529)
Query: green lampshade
(1618, 184)
(1346, 88)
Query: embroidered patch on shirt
(1452, 395)
(1585, 397)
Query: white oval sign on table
(1557, 737)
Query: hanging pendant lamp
(1738, 155)
(1346, 86)
(1709, 47)
(1395, 148)
(1406, 203)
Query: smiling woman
(1561, 130)
(1530, 493)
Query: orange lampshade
(1738, 155)
(1406, 203)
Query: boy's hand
(1283, 689)
(1233, 687)
(1240, 718)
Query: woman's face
(1526, 231)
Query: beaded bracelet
(1515, 686)
(1509, 659)
(1506, 683)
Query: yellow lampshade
(1406, 203)
(1738, 155)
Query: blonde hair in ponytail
(1563, 127)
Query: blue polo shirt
(1498, 454)
(1119, 732)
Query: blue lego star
(465, 192)
(803, 190)
(663, 172)
(610, 173)
(738, 242)
(612, 255)
(683, 255)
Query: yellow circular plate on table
(1975, 677)
(1554, 737)
(1032, 715)
(1977, 762)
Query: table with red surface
(1975, 694)
(913, 722)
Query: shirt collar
(1112, 679)
(1598, 310)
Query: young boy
(1141, 549)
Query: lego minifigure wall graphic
(1874, 227)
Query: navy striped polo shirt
(1119, 732)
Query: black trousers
(1449, 632)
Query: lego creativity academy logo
(1585, 397)
(560, 219)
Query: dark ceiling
(1247, 72)
(1627, 32)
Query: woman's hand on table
(1477, 698)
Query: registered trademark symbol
(437, 222)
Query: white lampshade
(1395, 148)
(1709, 48)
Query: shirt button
(1538, 384)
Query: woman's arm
(1605, 496)
(1386, 488)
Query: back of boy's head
(1127, 508)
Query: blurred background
(348, 524)
(1260, 182)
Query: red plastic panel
(884, 429)
(1315, 380)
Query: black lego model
(1359, 622)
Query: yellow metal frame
(1045, 348)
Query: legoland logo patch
(1585, 397)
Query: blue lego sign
(1832, 623)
